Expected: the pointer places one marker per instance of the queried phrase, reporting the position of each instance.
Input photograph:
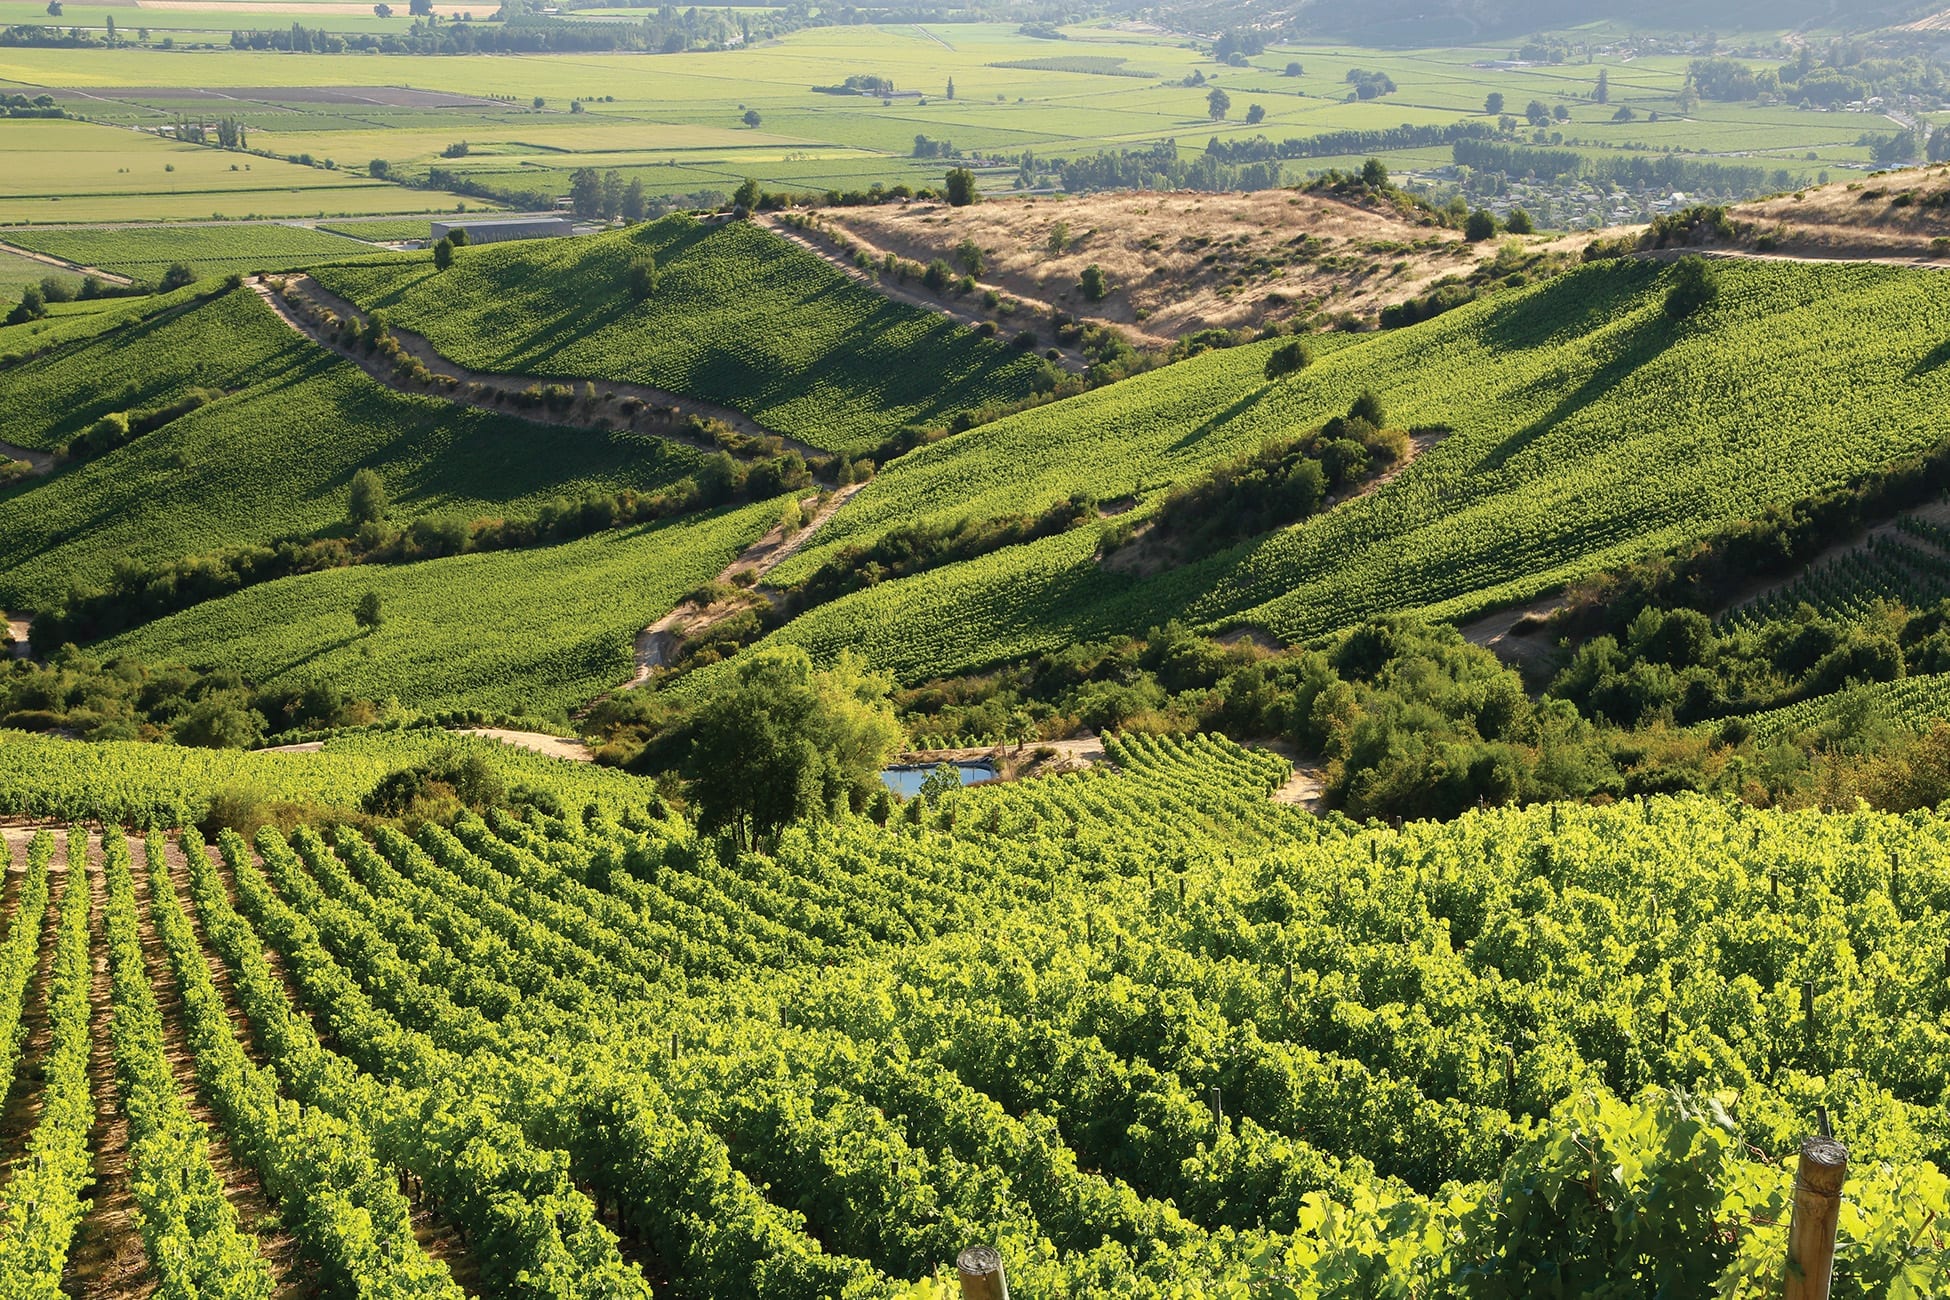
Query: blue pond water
(906, 781)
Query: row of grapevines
(21, 954)
(334, 1196)
(44, 1200)
(191, 1233)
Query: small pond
(906, 781)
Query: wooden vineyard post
(1817, 1206)
(981, 1274)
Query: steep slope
(271, 457)
(1588, 428)
(737, 316)
(526, 632)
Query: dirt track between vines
(477, 388)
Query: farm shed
(495, 232)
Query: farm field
(866, 989)
(679, 129)
(1565, 458)
(738, 316)
(274, 455)
(534, 632)
(143, 253)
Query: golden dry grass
(1179, 262)
(1892, 215)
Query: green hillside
(272, 458)
(738, 316)
(532, 632)
(1588, 429)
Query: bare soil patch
(1178, 262)
(573, 751)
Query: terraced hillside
(737, 316)
(1147, 1032)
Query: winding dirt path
(479, 388)
(819, 243)
(38, 462)
(536, 742)
(655, 643)
(46, 260)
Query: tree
(1288, 359)
(1374, 174)
(746, 196)
(366, 503)
(1480, 226)
(612, 195)
(219, 722)
(783, 743)
(420, 8)
(641, 278)
(1218, 104)
(32, 306)
(1625, 114)
(1695, 287)
(1536, 114)
(1094, 284)
(54, 8)
(1368, 407)
(938, 276)
(1561, 112)
(443, 254)
(540, 102)
(458, 236)
(1519, 223)
(178, 275)
(1294, 70)
(383, 10)
(367, 613)
(379, 168)
(969, 254)
(1493, 103)
(752, 118)
(635, 206)
(586, 193)
(961, 187)
(1602, 93)
(951, 88)
(1255, 114)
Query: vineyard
(1146, 1031)
(1911, 569)
(274, 454)
(145, 252)
(737, 316)
(1585, 433)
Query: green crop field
(738, 316)
(535, 631)
(1370, 1044)
(1587, 430)
(144, 252)
(271, 459)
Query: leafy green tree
(1601, 94)
(1480, 226)
(1294, 70)
(782, 743)
(1519, 223)
(938, 276)
(32, 306)
(951, 88)
(367, 501)
(443, 254)
(1255, 114)
(586, 193)
(1536, 114)
(458, 236)
(641, 278)
(178, 275)
(1288, 359)
(612, 196)
(1374, 174)
(1695, 287)
(635, 206)
(1368, 407)
(961, 187)
(1218, 104)
(219, 722)
(1493, 103)
(747, 195)
(379, 169)
(367, 612)
(969, 254)
(1095, 285)
(943, 781)
(752, 118)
